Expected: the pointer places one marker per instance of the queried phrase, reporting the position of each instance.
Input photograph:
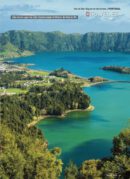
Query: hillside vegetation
(25, 42)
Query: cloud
(25, 8)
(116, 1)
(83, 24)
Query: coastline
(14, 55)
(40, 118)
(25, 66)
(96, 83)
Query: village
(6, 66)
(18, 79)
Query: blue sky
(119, 22)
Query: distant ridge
(58, 41)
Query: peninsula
(118, 69)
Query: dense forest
(43, 100)
(24, 152)
(58, 98)
(58, 41)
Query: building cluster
(7, 67)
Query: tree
(117, 167)
(11, 159)
(121, 143)
(90, 169)
(71, 171)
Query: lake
(87, 135)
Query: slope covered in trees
(24, 155)
(58, 41)
(115, 167)
(58, 98)
(24, 152)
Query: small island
(97, 79)
(118, 69)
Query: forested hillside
(24, 151)
(58, 41)
(25, 154)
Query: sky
(95, 21)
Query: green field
(36, 72)
(13, 90)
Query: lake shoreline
(89, 109)
(42, 117)
(16, 55)
(97, 83)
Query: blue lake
(86, 135)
